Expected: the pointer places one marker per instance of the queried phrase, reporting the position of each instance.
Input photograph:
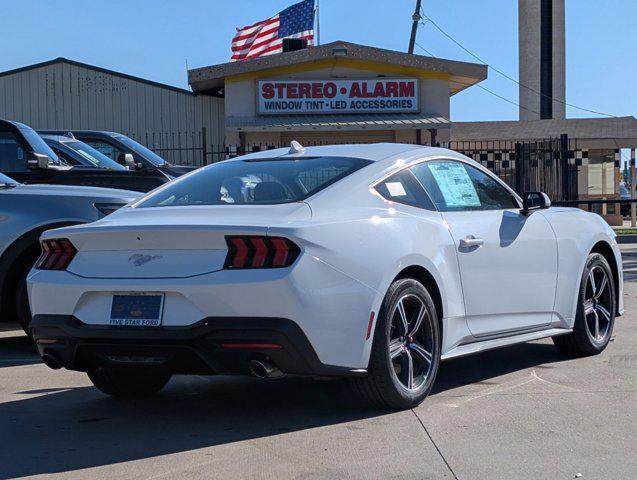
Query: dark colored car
(74, 153)
(26, 157)
(117, 146)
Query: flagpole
(318, 23)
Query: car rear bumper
(218, 345)
(330, 308)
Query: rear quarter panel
(373, 240)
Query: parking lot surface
(519, 412)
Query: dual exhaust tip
(264, 369)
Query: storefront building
(337, 93)
(343, 92)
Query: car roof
(77, 132)
(57, 137)
(368, 151)
(14, 123)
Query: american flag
(266, 37)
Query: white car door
(507, 260)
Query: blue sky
(154, 39)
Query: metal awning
(300, 123)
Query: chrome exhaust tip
(264, 369)
(51, 362)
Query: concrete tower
(542, 59)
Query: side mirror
(532, 201)
(127, 160)
(37, 161)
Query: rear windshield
(247, 182)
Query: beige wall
(241, 96)
(362, 136)
(241, 101)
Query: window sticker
(455, 184)
(396, 189)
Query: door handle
(471, 241)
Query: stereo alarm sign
(337, 96)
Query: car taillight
(260, 252)
(56, 254)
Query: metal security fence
(546, 165)
(542, 165)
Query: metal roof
(95, 68)
(280, 123)
(463, 74)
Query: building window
(601, 172)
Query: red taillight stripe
(240, 253)
(260, 253)
(44, 257)
(55, 254)
(280, 252)
(67, 252)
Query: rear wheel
(406, 349)
(595, 316)
(128, 383)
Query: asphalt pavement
(523, 412)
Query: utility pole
(414, 26)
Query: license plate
(137, 309)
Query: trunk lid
(168, 242)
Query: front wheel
(595, 316)
(131, 383)
(405, 352)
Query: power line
(482, 87)
(508, 76)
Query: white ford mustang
(373, 262)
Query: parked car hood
(76, 191)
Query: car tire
(405, 353)
(595, 317)
(123, 383)
(22, 308)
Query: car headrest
(269, 192)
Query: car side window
(103, 147)
(12, 154)
(65, 159)
(403, 187)
(457, 186)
